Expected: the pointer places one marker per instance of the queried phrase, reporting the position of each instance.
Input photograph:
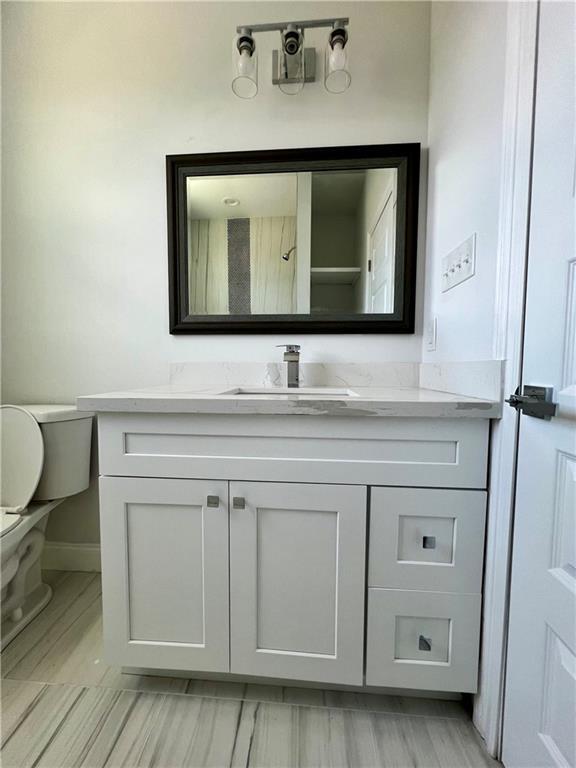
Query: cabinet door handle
(424, 643)
(239, 502)
(428, 542)
(213, 501)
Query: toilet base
(34, 603)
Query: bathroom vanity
(324, 535)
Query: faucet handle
(290, 348)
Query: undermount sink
(306, 391)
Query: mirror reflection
(321, 243)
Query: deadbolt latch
(534, 401)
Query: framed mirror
(300, 240)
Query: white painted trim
(70, 556)
(509, 308)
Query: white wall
(95, 95)
(467, 55)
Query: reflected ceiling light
(292, 64)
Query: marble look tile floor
(63, 706)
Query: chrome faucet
(292, 357)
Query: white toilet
(45, 457)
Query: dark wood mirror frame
(404, 157)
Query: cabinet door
(297, 581)
(165, 573)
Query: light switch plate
(460, 264)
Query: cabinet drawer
(427, 539)
(425, 640)
(446, 453)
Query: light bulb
(245, 67)
(245, 63)
(337, 57)
(336, 74)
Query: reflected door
(382, 259)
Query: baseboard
(70, 556)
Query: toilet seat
(22, 456)
(8, 521)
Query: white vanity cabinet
(327, 549)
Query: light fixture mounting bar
(280, 26)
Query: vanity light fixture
(231, 202)
(292, 64)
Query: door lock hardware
(534, 401)
(239, 502)
(213, 501)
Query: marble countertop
(360, 401)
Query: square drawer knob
(424, 643)
(428, 542)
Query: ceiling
(275, 194)
(264, 194)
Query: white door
(382, 247)
(297, 581)
(540, 694)
(165, 573)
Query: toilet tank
(67, 442)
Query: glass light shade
(336, 75)
(291, 70)
(245, 73)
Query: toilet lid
(22, 456)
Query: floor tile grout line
(4, 740)
(364, 710)
(58, 728)
(252, 733)
(238, 722)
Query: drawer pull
(213, 501)
(428, 542)
(424, 643)
(239, 502)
